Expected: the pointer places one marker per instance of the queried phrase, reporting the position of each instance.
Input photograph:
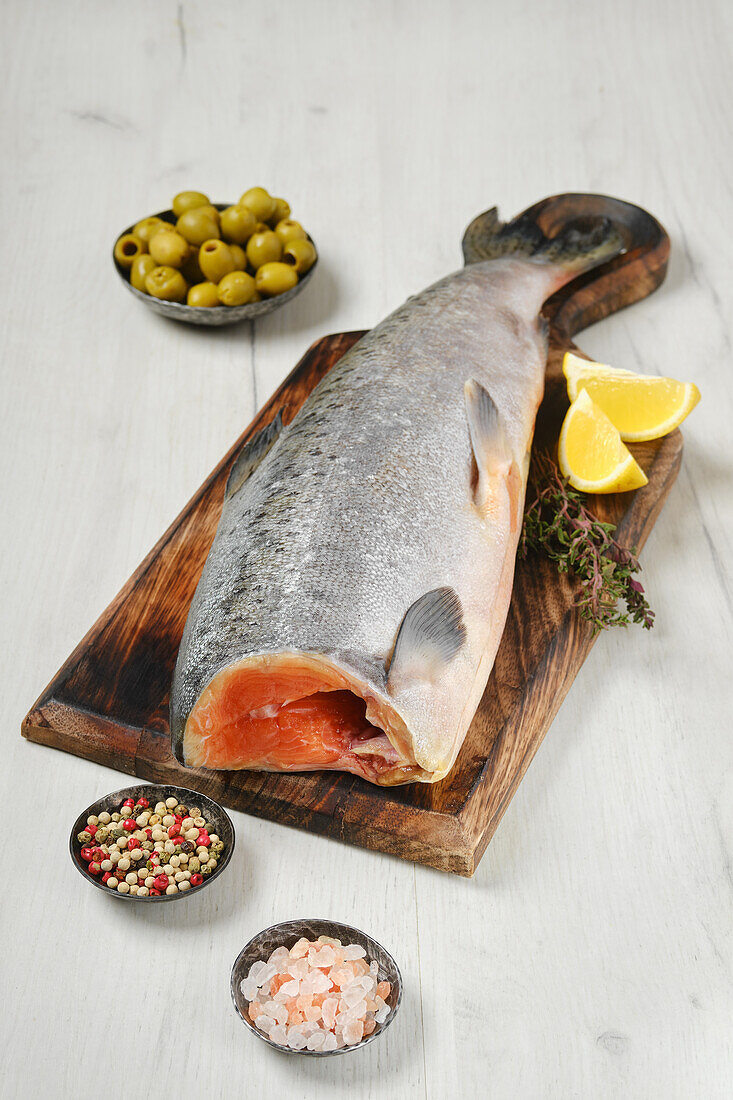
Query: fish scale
(365, 553)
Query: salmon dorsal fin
(491, 450)
(430, 635)
(252, 454)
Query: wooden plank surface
(590, 956)
(109, 702)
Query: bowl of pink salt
(315, 987)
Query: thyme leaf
(558, 525)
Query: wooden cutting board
(109, 701)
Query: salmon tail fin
(579, 244)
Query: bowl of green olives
(216, 263)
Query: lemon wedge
(591, 454)
(641, 406)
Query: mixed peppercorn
(148, 852)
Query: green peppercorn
(115, 832)
(150, 865)
(210, 827)
(137, 809)
(84, 837)
(180, 811)
(217, 849)
(101, 835)
(194, 864)
(116, 817)
(205, 870)
(147, 846)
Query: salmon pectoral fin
(252, 454)
(495, 464)
(430, 635)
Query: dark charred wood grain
(109, 701)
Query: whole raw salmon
(352, 603)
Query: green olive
(169, 249)
(237, 224)
(197, 226)
(288, 230)
(128, 248)
(141, 266)
(236, 289)
(212, 211)
(145, 228)
(203, 294)
(166, 283)
(282, 211)
(188, 200)
(264, 248)
(301, 254)
(275, 278)
(239, 256)
(215, 260)
(260, 202)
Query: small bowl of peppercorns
(152, 842)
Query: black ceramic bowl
(288, 933)
(216, 315)
(211, 810)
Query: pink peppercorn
(175, 830)
(129, 825)
(148, 833)
(203, 839)
(143, 802)
(106, 875)
(154, 893)
(178, 819)
(92, 829)
(161, 882)
(128, 802)
(93, 868)
(86, 854)
(98, 855)
(196, 879)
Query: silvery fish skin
(399, 485)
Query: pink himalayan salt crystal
(354, 951)
(383, 990)
(316, 1040)
(329, 1042)
(369, 1026)
(313, 1012)
(342, 976)
(300, 949)
(324, 958)
(353, 1032)
(329, 1011)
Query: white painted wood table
(591, 954)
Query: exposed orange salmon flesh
(283, 713)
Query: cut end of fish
(291, 712)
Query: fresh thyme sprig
(557, 524)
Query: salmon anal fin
(430, 635)
(491, 450)
(252, 454)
